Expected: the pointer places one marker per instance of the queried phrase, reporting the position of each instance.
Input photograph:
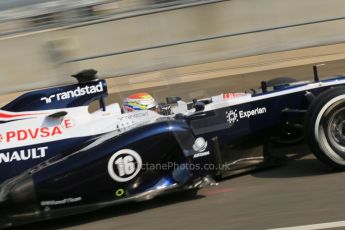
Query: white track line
(314, 226)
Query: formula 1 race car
(59, 159)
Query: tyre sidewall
(313, 116)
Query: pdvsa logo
(36, 133)
(124, 165)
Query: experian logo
(79, 91)
(234, 116)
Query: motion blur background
(151, 43)
(187, 48)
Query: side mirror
(85, 76)
(179, 116)
(173, 100)
(199, 106)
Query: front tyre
(325, 127)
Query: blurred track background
(161, 35)
(191, 49)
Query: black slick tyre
(325, 127)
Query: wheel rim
(330, 129)
(335, 127)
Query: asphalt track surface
(302, 192)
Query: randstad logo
(79, 91)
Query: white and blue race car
(57, 158)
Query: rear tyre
(325, 127)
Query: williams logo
(234, 116)
(200, 145)
(78, 92)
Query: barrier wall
(221, 30)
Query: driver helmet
(139, 101)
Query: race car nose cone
(17, 196)
(23, 192)
(19, 190)
(3, 219)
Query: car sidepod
(137, 165)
